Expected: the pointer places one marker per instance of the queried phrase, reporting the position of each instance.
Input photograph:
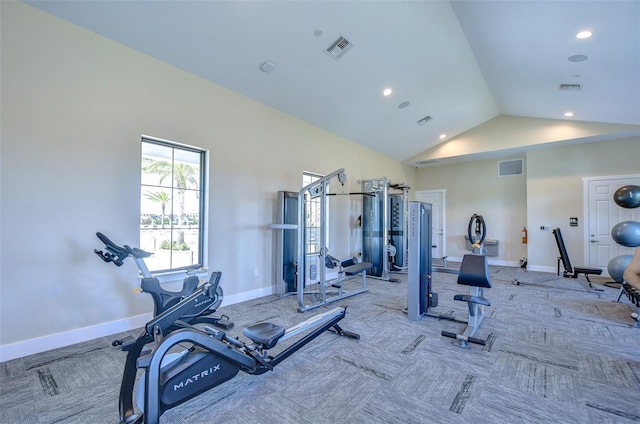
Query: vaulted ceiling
(454, 64)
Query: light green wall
(74, 106)
(548, 194)
(476, 188)
(555, 191)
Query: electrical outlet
(256, 272)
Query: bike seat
(138, 253)
(264, 333)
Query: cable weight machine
(384, 227)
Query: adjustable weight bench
(571, 271)
(348, 269)
(351, 271)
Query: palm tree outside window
(172, 205)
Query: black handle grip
(108, 257)
(477, 341)
(466, 339)
(449, 334)
(115, 253)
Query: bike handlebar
(117, 254)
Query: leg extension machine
(474, 272)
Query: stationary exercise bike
(164, 299)
(210, 358)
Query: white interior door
(602, 215)
(439, 237)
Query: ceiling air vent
(424, 120)
(570, 87)
(426, 162)
(510, 167)
(338, 48)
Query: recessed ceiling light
(568, 114)
(443, 136)
(577, 58)
(387, 91)
(403, 105)
(584, 34)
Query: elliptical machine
(199, 313)
(209, 358)
(164, 299)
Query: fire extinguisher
(524, 235)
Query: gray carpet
(555, 353)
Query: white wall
(74, 106)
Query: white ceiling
(460, 62)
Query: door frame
(585, 205)
(443, 209)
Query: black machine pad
(265, 333)
(474, 271)
(359, 267)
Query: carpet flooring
(555, 353)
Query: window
(172, 205)
(312, 219)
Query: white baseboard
(489, 260)
(54, 341)
(502, 263)
(248, 295)
(539, 268)
(67, 338)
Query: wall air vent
(511, 167)
(338, 48)
(570, 87)
(424, 120)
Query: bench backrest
(564, 256)
(474, 271)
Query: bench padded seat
(264, 333)
(357, 268)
